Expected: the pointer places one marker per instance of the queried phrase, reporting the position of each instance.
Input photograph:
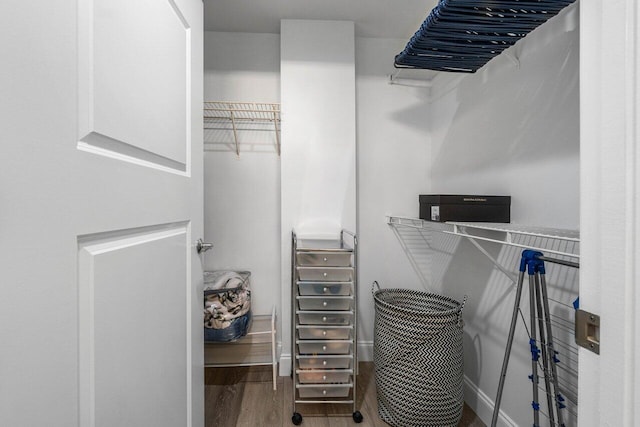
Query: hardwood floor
(243, 397)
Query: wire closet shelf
(463, 35)
(237, 113)
(571, 238)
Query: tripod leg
(552, 353)
(535, 352)
(545, 354)
(507, 352)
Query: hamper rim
(245, 274)
(456, 310)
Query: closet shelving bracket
(237, 113)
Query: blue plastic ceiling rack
(463, 35)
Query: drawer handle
(324, 378)
(324, 363)
(324, 348)
(324, 391)
(324, 319)
(324, 259)
(324, 303)
(324, 333)
(325, 289)
(324, 274)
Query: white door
(100, 205)
(609, 387)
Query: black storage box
(449, 207)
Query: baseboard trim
(484, 405)
(285, 364)
(365, 351)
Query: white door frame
(609, 384)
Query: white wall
(318, 130)
(513, 129)
(393, 168)
(242, 67)
(509, 129)
(242, 193)
(318, 167)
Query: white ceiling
(373, 18)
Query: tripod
(533, 263)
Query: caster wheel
(296, 419)
(357, 417)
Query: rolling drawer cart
(324, 322)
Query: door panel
(92, 246)
(134, 80)
(133, 327)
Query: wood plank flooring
(244, 397)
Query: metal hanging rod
(412, 81)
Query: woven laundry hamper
(418, 358)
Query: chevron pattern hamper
(418, 358)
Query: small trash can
(418, 358)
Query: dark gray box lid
(459, 199)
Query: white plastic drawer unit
(315, 259)
(325, 303)
(324, 347)
(327, 274)
(324, 362)
(324, 322)
(325, 317)
(306, 376)
(324, 332)
(326, 390)
(320, 288)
